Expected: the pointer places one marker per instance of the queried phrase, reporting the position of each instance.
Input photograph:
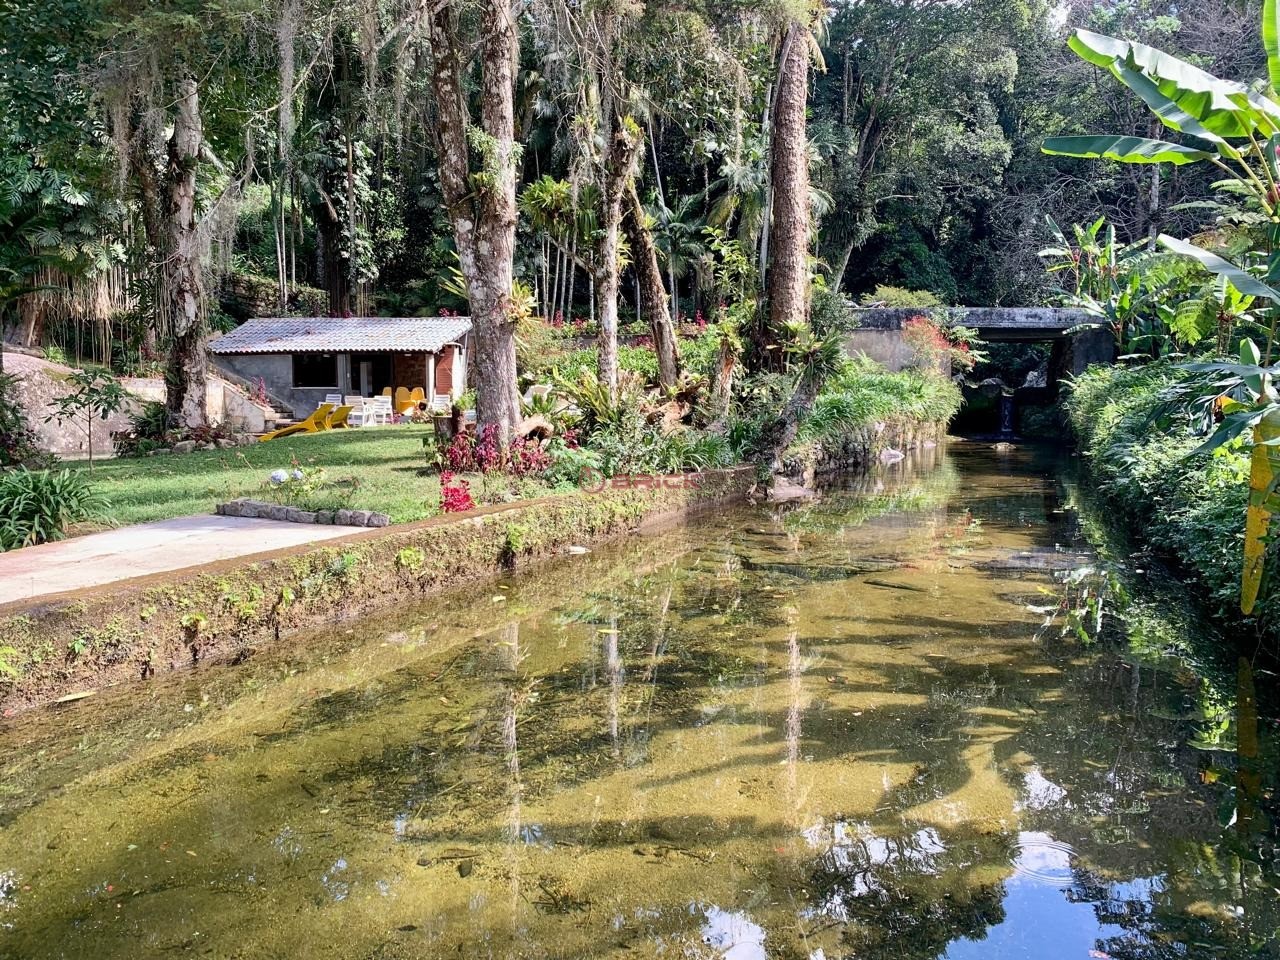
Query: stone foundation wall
(861, 448)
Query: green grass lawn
(387, 461)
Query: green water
(850, 729)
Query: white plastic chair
(381, 409)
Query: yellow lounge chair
(417, 396)
(338, 419)
(403, 402)
(313, 424)
(386, 391)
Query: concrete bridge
(879, 334)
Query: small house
(301, 360)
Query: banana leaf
(1242, 281)
(1168, 110)
(1271, 40)
(1123, 149)
(1227, 108)
(1264, 502)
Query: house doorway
(371, 373)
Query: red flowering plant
(487, 456)
(455, 494)
(941, 348)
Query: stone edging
(120, 632)
(246, 507)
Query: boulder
(225, 443)
(378, 520)
(184, 446)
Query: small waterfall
(1006, 415)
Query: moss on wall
(138, 628)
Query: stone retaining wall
(245, 507)
(863, 447)
(135, 629)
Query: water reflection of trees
(903, 897)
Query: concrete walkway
(147, 548)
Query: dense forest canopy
(170, 169)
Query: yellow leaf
(1264, 469)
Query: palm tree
(678, 235)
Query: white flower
(278, 477)
(297, 474)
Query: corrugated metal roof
(342, 335)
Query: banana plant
(1237, 128)
(1230, 125)
(1244, 399)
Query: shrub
(38, 506)
(887, 296)
(1190, 507)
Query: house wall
(409, 371)
(276, 371)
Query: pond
(883, 725)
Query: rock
(1003, 447)
(294, 515)
(784, 491)
(244, 439)
(208, 446)
(890, 455)
(343, 518)
(378, 520)
(360, 518)
(184, 446)
(1038, 560)
(226, 444)
(247, 509)
(324, 517)
(221, 510)
(275, 511)
(575, 551)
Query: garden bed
(139, 628)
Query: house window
(315, 370)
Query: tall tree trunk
(790, 228)
(653, 298)
(780, 433)
(842, 265)
(186, 377)
(620, 168)
(484, 220)
(151, 207)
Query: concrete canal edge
(131, 630)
